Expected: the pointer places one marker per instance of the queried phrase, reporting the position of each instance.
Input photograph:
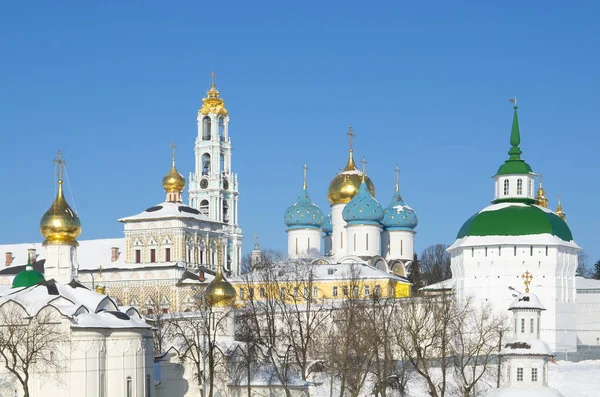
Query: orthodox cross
(351, 135)
(513, 100)
(173, 147)
(100, 268)
(213, 76)
(305, 168)
(363, 161)
(256, 243)
(60, 163)
(397, 171)
(527, 277)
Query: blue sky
(424, 84)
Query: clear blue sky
(425, 84)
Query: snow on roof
(586, 283)
(540, 391)
(84, 307)
(526, 301)
(535, 347)
(442, 285)
(499, 206)
(169, 210)
(530, 239)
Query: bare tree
(582, 264)
(157, 314)
(416, 275)
(29, 344)
(435, 264)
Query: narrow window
(531, 250)
(485, 251)
(472, 251)
(282, 293)
(315, 292)
(401, 247)
(519, 374)
(102, 386)
(530, 187)
(334, 292)
(531, 324)
(546, 250)
(261, 292)
(167, 254)
(506, 187)
(306, 293)
(515, 250)
(206, 129)
(522, 325)
(152, 255)
(377, 291)
(367, 290)
(129, 387)
(296, 246)
(515, 325)
(499, 251)
(354, 242)
(308, 245)
(295, 292)
(242, 293)
(519, 186)
(367, 241)
(534, 374)
(251, 293)
(138, 256)
(341, 239)
(508, 373)
(148, 390)
(345, 290)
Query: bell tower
(213, 187)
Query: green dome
(515, 219)
(511, 167)
(27, 278)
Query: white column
(338, 235)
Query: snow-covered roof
(540, 391)
(534, 347)
(84, 307)
(168, 210)
(442, 285)
(529, 239)
(586, 283)
(526, 301)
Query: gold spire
(219, 292)
(541, 198)
(60, 224)
(363, 161)
(527, 277)
(305, 168)
(559, 210)
(173, 182)
(213, 103)
(100, 288)
(345, 184)
(397, 171)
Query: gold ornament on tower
(220, 292)
(212, 103)
(60, 224)
(345, 184)
(173, 182)
(559, 210)
(541, 198)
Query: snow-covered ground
(571, 379)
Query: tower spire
(515, 136)
(305, 169)
(173, 147)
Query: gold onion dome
(541, 198)
(219, 292)
(173, 182)
(213, 103)
(60, 224)
(346, 184)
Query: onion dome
(398, 215)
(100, 288)
(541, 198)
(60, 225)
(559, 210)
(514, 164)
(515, 219)
(219, 292)
(345, 185)
(327, 226)
(213, 103)
(27, 278)
(363, 208)
(173, 182)
(304, 213)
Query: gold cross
(213, 76)
(305, 168)
(397, 171)
(60, 163)
(351, 135)
(173, 147)
(363, 161)
(527, 277)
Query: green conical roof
(27, 278)
(514, 164)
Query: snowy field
(580, 379)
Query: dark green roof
(514, 167)
(516, 220)
(27, 278)
(514, 164)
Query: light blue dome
(398, 215)
(327, 225)
(304, 214)
(363, 209)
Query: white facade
(514, 186)
(304, 243)
(363, 240)
(398, 244)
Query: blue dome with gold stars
(363, 209)
(398, 215)
(327, 225)
(304, 214)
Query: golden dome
(173, 182)
(345, 185)
(212, 103)
(60, 224)
(219, 292)
(559, 210)
(101, 289)
(541, 198)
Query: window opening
(519, 374)
(519, 186)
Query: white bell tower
(213, 187)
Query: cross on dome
(173, 147)
(527, 277)
(305, 169)
(351, 135)
(397, 171)
(363, 161)
(60, 163)
(213, 76)
(513, 100)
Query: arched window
(519, 186)
(129, 387)
(530, 187)
(148, 389)
(225, 211)
(222, 128)
(222, 162)
(206, 128)
(205, 164)
(204, 207)
(506, 187)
